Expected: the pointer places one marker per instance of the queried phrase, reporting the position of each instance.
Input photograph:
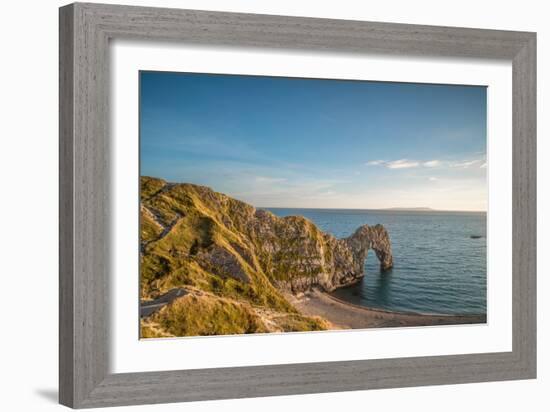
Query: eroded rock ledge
(197, 235)
(340, 262)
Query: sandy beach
(344, 315)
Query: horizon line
(394, 209)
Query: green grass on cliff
(300, 323)
(205, 216)
(199, 220)
(205, 314)
(149, 230)
(150, 186)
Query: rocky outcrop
(222, 263)
(198, 236)
(298, 256)
(375, 238)
(333, 263)
(231, 263)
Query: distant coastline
(412, 209)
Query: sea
(440, 259)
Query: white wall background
(28, 204)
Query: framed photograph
(255, 205)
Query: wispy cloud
(402, 164)
(411, 163)
(432, 163)
(375, 163)
(433, 179)
(394, 164)
(464, 164)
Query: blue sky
(284, 142)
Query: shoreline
(346, 315)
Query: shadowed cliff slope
(236, 263)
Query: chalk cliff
(225, 250)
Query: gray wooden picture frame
(85, 31)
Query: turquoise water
(438, 267)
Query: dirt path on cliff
(149, 307)
(345, 315)
(155, 217)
